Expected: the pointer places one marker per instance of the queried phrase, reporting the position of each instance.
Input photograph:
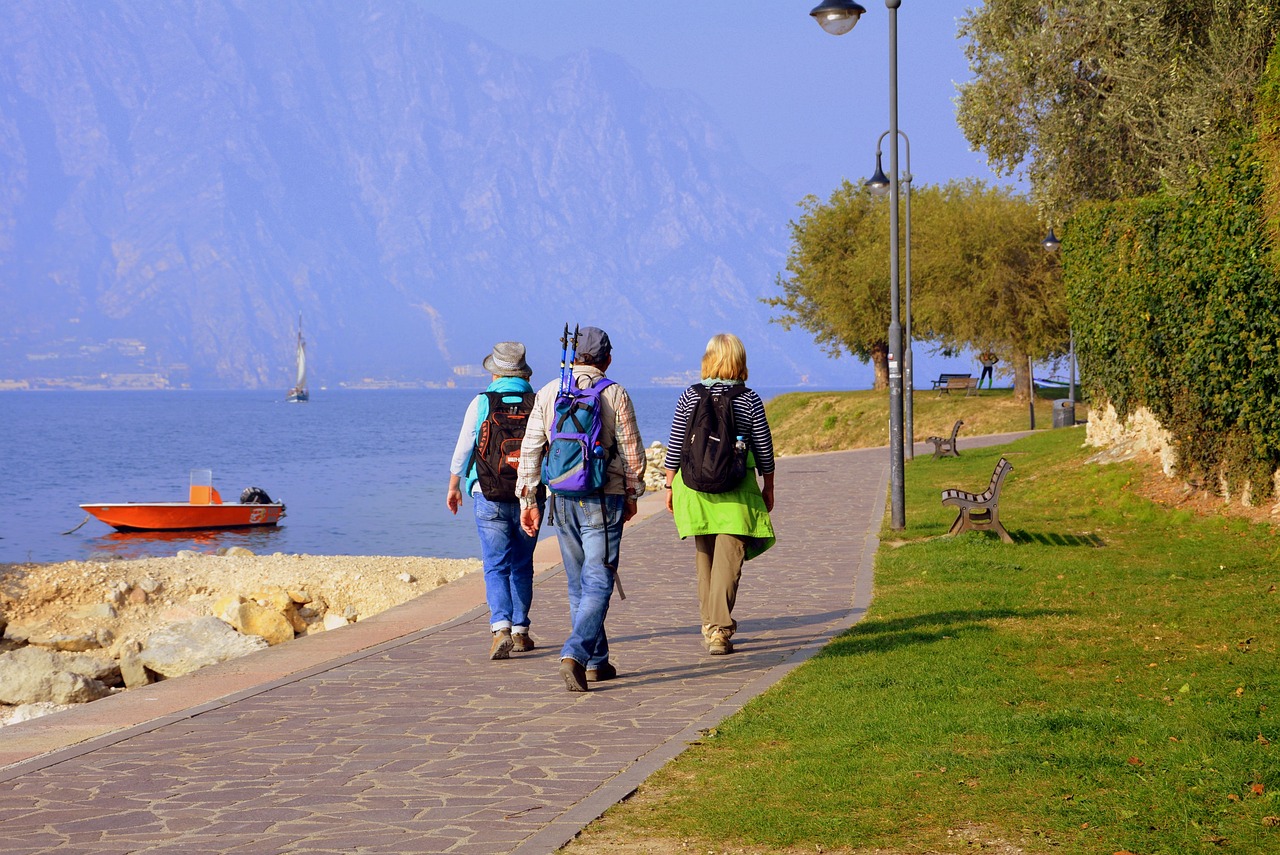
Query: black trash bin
(1064, 414)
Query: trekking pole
(573, 353)
(564, 363)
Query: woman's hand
(453, 495)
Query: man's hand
(530, 520)
(629, 509)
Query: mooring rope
(86, 519)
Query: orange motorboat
(203, 510)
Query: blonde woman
(728, 518)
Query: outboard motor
(255, 496)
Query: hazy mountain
(179, 181)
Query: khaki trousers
(719, 561)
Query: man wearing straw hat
(485, 460)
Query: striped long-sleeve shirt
(748, 416)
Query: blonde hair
(725, 359)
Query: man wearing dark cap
(505, 548)
(590, 529)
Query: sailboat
(299, 394)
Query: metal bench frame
(980, 512)
(944, 447)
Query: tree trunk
(880, 362)
(1021, 378)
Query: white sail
(302, 362)
(299, 391)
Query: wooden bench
(980, 512)
(944, 447)
(947, 383)
(944, 379)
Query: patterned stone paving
(421, 744)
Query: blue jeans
(589, 536)
(507, 553)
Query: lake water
(362, 472)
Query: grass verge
(1107, 684)
(805, 422)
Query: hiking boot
(719, 643)
(603, 671)
(574, 675)
(521, 642)
(501, 647)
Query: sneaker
(501, 647)
(719, 644)
(521, 642)
(574, 675)
(603, 671)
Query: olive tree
(1099, 100)
(838, 287)
(980, 278)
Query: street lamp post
(839, 17)
(879, 184)
(1052, 244)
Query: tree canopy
(980, 278)
(839, 283)
(1098, 100)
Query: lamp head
(879, 183)
(837, 17)
(1051, 242)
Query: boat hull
(184, 516)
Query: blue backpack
(575, 461)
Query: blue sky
(805, 107)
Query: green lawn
(826, 421)
(1109, 683)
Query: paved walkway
(387, 737)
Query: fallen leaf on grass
(1271, 822)
(1256, 789)
(1262, 740)
(1134, 761)
(1232, 797)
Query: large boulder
(267, 624)
(181, 648)
(32, 675)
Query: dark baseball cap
(593, 344)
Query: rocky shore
(78, 631)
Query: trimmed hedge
(1175, 305)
